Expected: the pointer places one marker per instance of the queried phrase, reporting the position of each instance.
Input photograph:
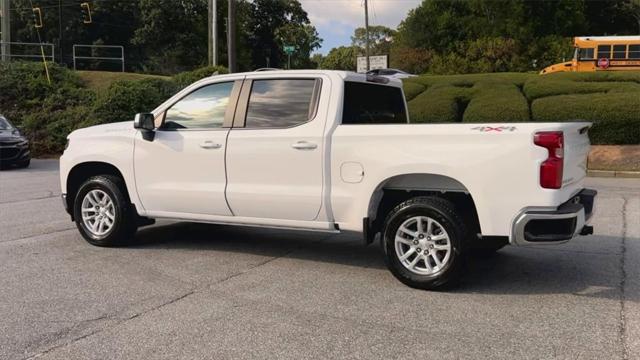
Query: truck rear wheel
(103, 213)
(424, 240)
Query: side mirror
(146, 123)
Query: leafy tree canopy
(169, 36)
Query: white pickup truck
(331, 151)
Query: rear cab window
(370, 103)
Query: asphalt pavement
(218, 292)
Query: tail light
(551, 168)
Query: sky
(336, 20)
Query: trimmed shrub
(24, 89)
(46, 113)
(440, 103)
(412, 89)
(186, 78)
(497, 102)
(469, 80)
(48, 130)
(609, 99)
(123, 99)
(616, 117)
(541, 87)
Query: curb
(614, 173)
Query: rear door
(275, 149)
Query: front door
(275, 149)
(182, 171)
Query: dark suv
(14, 148)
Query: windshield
(4, 124)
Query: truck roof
(345, 75)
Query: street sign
(375, 62)
(289, 49)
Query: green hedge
(123, 99)
(616, 117)
(610, 100)
(413, 89)
(581, 83)
(188, 77)
(495, 100)
(48, 113)
(439, 103)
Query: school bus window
(604, 51)
(619, 51)
(634, 51)
(585, 54)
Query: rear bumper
(535, 226)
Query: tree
(341, 58)
(380, 39)
(435, 25)
(304, 38)
(173, 33)
(273, 21)
(113, 23)
(316, 61)
(632, 7)
(412, 60)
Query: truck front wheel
(423, 241)
(103, 213)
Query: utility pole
(213, 32)
(366, 30)
(231, 36)
(60, 49)
(6, 31)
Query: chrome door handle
(304, 145)
(210, 145)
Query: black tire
(442, 211)
(125, 218)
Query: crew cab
(335, 152)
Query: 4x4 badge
(496, 129)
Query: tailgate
(576, 151)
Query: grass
(99, 81)
(611, 100)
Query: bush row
(48, 113)
(610, 100)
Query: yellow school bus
(601, 53)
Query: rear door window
(280, 103)
(367, 103)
